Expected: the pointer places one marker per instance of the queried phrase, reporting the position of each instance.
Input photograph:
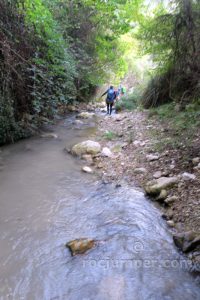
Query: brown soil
(132, 137)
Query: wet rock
(106, 152)
(157, 174)
(187, 241)
(86, 115)
(87, 169)
(80, 246)
(118, 185)
(188, 176)
(162, 196)
(156, 186)
(171, 200)
(151, 157)
(170, 214)
(78, 122)
(86, 147)
(170, 223)
(49, 135)
(140, 170)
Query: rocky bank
(169, 177)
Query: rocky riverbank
(170, 177)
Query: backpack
(111, 95)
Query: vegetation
(110, 135)
(181, 128)
(171, 36)
(129, 102)
(55, 52)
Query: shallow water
(46, 201)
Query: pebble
(157, 174)
(151, 157)
(188, 176)
(170, 223)
(87, 170)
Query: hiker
(123, 91)
(111, 96)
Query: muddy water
(46, 201)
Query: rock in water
(80, 246)
(187, 241)
(86, 115)
(49, 135)
(87, 170)
(86, 147)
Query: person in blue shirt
(110, 98)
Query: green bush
(128, 102)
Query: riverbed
(47, 201)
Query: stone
(188, 176)
(151, 157)
(187, 241)
(196, 161)
(100, 166)
(106, 152)
(86, 115)
(157, 174)
(140, 170)
(78, 122)
(49, 135)
(86, 147)
(156, 186)
(88, 158)
(170, 223)
(87, 169)
(170, 200)
(71, 108)
(162, 196)
(166, 182)
(80, 246)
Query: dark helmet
(111, 87)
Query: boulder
(87, 170)
(80, 246)
(106, 152)
(86, 147)
(187, 241)
(86, 115)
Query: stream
(46, 201)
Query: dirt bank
(133, 138)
